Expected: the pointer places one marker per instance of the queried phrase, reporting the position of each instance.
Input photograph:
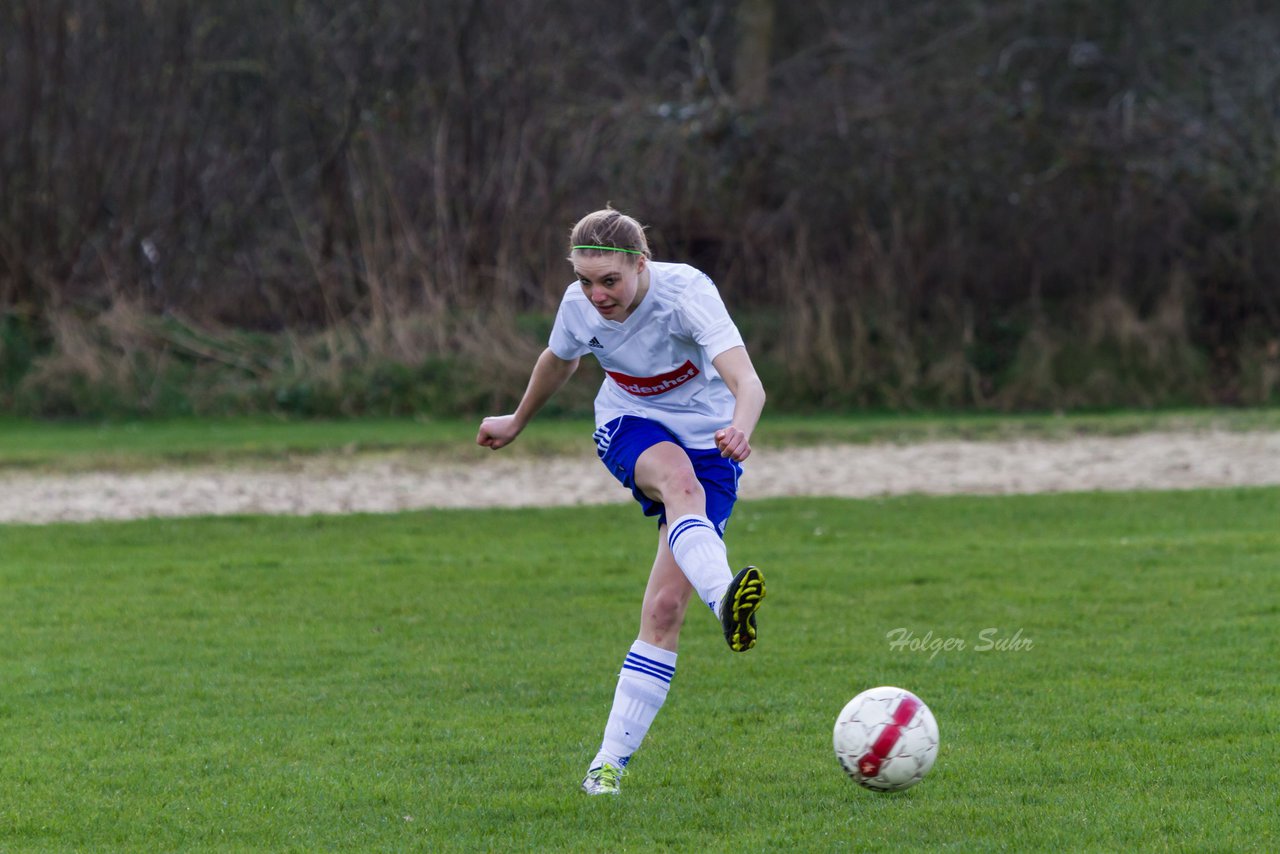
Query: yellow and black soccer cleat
(738, 609)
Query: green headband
(609, 249)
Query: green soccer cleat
(605, 780)
(738, 609)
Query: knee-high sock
(702, 557)
(642, 689)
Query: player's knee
(665, 610)
(683, 483)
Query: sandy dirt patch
(407, 482)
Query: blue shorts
(621, 442)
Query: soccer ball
(886, 739)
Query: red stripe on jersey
(869, 765)
(661, 384)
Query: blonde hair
(608, 230)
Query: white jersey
(657, 362)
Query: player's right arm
(550, 373)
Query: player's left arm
(734, 366)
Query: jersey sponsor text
(662, 383)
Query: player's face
(612, 283)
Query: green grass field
(437, 681)
(71, 446)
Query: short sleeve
(707, 320)
(563, 343)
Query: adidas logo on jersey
(595, 342)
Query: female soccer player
(674, 417)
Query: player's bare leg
(666, 598)
(665, 474)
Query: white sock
(642, 689)
(702, 556)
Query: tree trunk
(751, 62)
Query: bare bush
(942, 200)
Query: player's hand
(733, 443)
(498, 431)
